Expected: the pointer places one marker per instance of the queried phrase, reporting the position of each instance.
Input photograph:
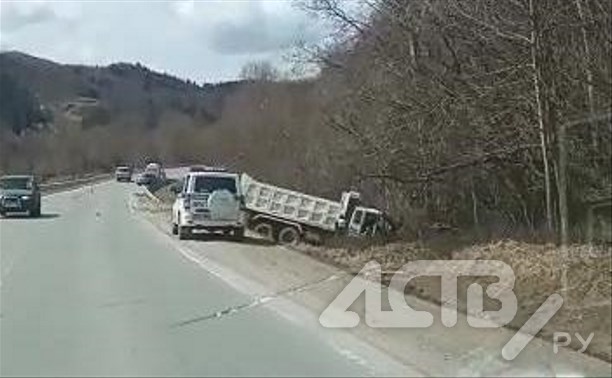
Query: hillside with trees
(488, 117)
(20, 108)
(87, 96)
(57, 118)
(492, 114)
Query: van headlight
(26, 198)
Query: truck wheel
(288, 235)
(174, 229)
(183, 232)
(265, 230)
(238, 234)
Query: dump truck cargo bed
(293, 206)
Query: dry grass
(538, 271)
(587, 300)
(164, 192)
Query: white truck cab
(209, 201)
(156, 170)
(367, 221)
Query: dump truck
(286, 216)
(156, 170)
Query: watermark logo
(401, 315)
(564, 339)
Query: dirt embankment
(587, 300)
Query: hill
(36, 92)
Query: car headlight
(26, 198)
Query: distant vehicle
(123, 173)
(285, 215)
(156, 170)
(206, 168)
(146, 178)
(211, 202)
(19, 194)
(198, 168)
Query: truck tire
(289, 235)
(266, 230)
(238, 234)
(184, 233)
(36, 212)
(174, 229)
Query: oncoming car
(123, 173)
(19, 194)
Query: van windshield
(208, 184)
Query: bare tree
(259, 71)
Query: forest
(485, 118)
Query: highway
(91, 288)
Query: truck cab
(156, 170)
(357, 220)
(209, 201)
(369, 222)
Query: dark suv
(19, 194)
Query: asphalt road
(91, 289)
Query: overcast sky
(205, 40)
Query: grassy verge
(587, 302)
(163, 190)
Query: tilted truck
(156, 170)
(286, 216)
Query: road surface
(91, 289)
